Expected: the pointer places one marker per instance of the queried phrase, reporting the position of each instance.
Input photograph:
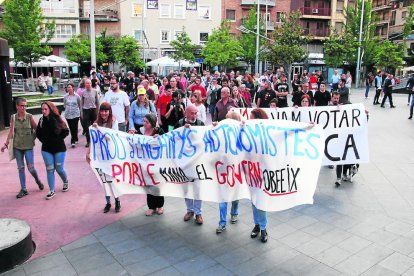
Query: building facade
(156, 23)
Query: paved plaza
(361, 228)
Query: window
(339, 26)
(176, 33)
(165, 36)
(137, 10)
(204, 12)
(64, 31)
(138, 35)
(179, 11)
(58, 6)
(231, 15)
(203, 37)
(404, 14)
(165, 11)
(340, 6)
(279, 17)
(392, 20)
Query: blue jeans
(259, 217)
(193, 205)
(366, 91)
(223, 211)
(54, 162)
(411, 106)
(50, 89)
(20, 156)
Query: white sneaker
(338, 182)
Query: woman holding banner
(106, 119)
(259, 216)
(155, 203)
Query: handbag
(11, 148)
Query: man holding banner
(193, 205)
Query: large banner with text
(275, 164)
(345, 128)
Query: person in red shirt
(313, 82)
(162, 104)
(197, 86)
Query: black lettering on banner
(102, 175)
(350, 143)
(327, 140)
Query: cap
(142, 91)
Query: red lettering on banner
(233, 173)
(151, 174)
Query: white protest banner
(345, 128)
(275, 164)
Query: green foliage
(108, 44)
(335, 50)
(127, 52)
(288, 39)
(409, 22)
(184, 49)
(248, 40)
(221, 48)
(26, 30)
(353, 21)
(389, 55)
(78, 49)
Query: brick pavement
(362, 228)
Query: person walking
(72, 105)
(51, 132)
(410, 88)
(387, 88)
(119, 102)
(22, 130)
(139, 108)
(107, 120)
(89, 111)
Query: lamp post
(256, 64)
(358, 69)
(92, 32)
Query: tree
(352, 27)
(248, 38)
(389, 55)
(287, 41)
(127, 53)
(221, 49)
(26, 30)
(183, 48)
(78, 49)
(108, 44)
(334, 50)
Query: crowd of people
(149, 105)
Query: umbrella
(48, 61)
(411, 68)
(169, 62)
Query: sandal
(160, 211)
(149, 213)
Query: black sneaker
(117, 206)
(65, 187)
(107, 207)
(40, 185)
(50, 195)
(263, 236)
(87, 145)
(220, 229)
(255, 231)
(73, 145)
(22, 193)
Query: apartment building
(66, 15)
(271, 11)
(156, 23)
(107, 17)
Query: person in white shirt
(119, 102)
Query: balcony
(382, 22)
(319, 33)
(315, 12)
(270, 26)
(58, 11)
(105, 15)
(269, 3)
(381, 7)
